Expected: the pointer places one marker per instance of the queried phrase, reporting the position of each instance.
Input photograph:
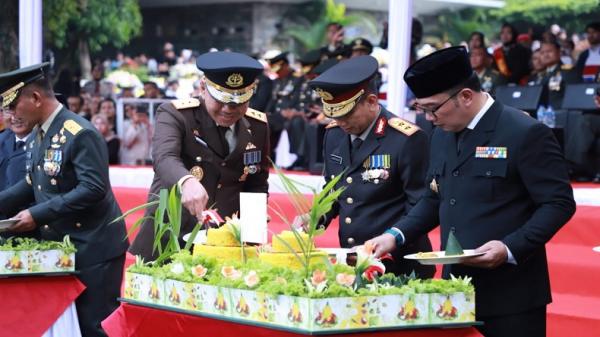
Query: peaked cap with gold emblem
(342, 85)
(230, 77)
(362, 44)
(12, 82)
(278, 60)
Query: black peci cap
(438, 72)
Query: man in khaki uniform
(213, 146)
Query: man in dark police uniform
(383, 158)
(67, 179)
(496, 178)
(213, 147)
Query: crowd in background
(552, 60)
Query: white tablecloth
(67, 325)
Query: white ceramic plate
(596, 249)
(200, 237)
(5, 224)
(441, 258)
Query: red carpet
(574, 267)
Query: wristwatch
(397, 235)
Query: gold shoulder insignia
(332, 124)
(403, 126)
(566, 67)
(261, 116)
(186, 103)
(72, 126)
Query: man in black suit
(497, 178)
(12, 159)
(12, 153)
(383, 159)
(67, 180)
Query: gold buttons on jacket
(46, 227)
(198, 159)
(219, 186)
(223, 164)
(349, 180)
(349, 200)
(78, 225)
(348, 220)
(350, 241)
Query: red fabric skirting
(136, 321)
(30, 305)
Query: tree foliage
(9, 44)
(310, 32)
(543, 11)
(455, 26)
(99, 22)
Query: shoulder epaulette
(72, 126)
(403, 126)
(566, 67)
(332, 124)
(261, 116)
(180, 104)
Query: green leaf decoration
(321, 204)
(453, 247)
(166, 221)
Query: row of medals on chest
(251, 158)
(376, 168)
(52, 157)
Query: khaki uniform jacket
(186, 140)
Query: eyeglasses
(431, 112)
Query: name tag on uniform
(336, 159)
(491, 152)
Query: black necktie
(356, 143)
(40, 136)
(19, 145)
(224, 143)
(460, 139)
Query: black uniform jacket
(519, 194)
(368, 207)
(67, 179)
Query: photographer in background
(137, 136)
(335, 40)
